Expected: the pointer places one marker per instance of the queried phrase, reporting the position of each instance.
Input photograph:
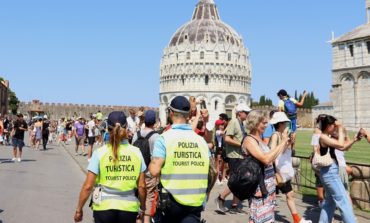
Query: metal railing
(305, 176)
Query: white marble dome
(206, 58)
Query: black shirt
(6, 123)
(19, 133)
(45, 127)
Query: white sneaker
(19, 160)
(14, 159)
(305, 221)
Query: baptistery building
(351, 76)
(207, 59)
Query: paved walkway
(308, 208)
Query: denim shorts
(18, 143)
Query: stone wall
(4, 96)
(304, 115)
(68, 110)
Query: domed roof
(206, 25)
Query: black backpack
(244, 181)
(143, 144)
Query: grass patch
(359, 153)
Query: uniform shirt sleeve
(159, 150)
(143, 165)
(94, 163)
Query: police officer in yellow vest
(182, 160)
(117, 172)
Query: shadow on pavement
(10, 161)
(280, 218)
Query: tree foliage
(13, 100)
(310, 100)
(262, 102)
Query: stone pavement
(306, 206)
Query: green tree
(310, 100)
(13, 102)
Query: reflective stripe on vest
(185, 171)
(118, 179)
(184, 176)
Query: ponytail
(116, 135)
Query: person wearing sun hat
(283, 164)
(182, 160)
(117, 170)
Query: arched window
(206, 79)
(216, 105)
(202, 55)
(183, 79)
(188, 55)
(216, 55)
(229, 56)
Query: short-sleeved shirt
(340, 158)
(282, 104)
(94, 163)
(80, 129)
(159, 150)
(234, 130)
(315, 140)
(19, 133)
(132, 123)
(91, 125)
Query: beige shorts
(80, 140)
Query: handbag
(319, 161)
(279, 180)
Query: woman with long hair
(117, 172)
(262, 208)
(336, 195)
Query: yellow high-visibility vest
(118, 180)
(185, 171)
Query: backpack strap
(139, 134)
(150, 134)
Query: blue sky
(108, 52)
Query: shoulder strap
(139, 134)
(150, 134)
(275, 133)
(254, 138)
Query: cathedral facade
(351, 76)
(206, 59)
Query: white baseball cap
(279, 117)
(243, 108)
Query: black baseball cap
(180, 104)
(116, 117)
(224, 116)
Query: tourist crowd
(143, 172)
